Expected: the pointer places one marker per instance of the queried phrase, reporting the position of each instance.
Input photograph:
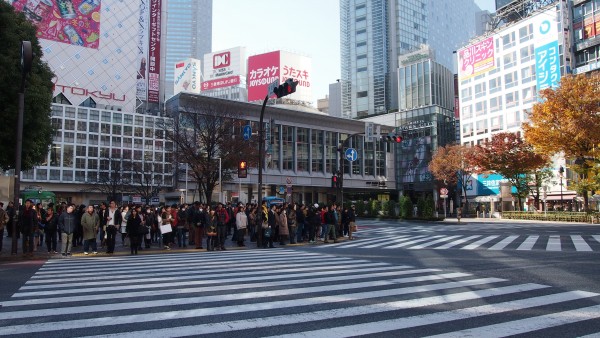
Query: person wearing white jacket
(241, 223)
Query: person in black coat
(134, 223)
(51, 230)
(28, 220)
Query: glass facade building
(189, 34)
(374, 33)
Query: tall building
(500, 77)
(189, 34)
(586, 34)
(373, 35)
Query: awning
(565, 197)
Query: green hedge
(550, 216)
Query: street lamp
(561, 171)
(26, 61)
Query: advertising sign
(224, 68)
(414, 162)
(96, 59)
(75, 22)
(263, 69)
(142, 51)
(476, 59)
(186, 77)
(547, 57)
(154, 51)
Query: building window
(316, 146)
(508, 40)
(467, 129)
(529, 94)
(510, 60)
(513, 119)
(303, 146)
(495, 85)
(496, 123)
(496, 104)
(466, 94)
(480, 108)
(287, 136)
(510, 80)
(512, 99)
(527, 53)
(526, 33)
(466, 112)
(528, 74)
(481, 127)
(480, 90)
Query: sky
(308, 27)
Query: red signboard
(263, 69)
(220, 83)
(154, 52)
(476, 59)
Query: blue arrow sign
(351, 154)
(247, 132)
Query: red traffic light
(286, 88)
(334, 181)
(398, 138)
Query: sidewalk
(121, 250)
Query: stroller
(211, 238)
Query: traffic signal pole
(341, 169)
(261, 146)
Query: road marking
(480, 242)
(457, 242)
(528, 243)
(504, 243)
(428, 244)
(415, 241)
(580, 243)
(553, 244)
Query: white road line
(503, 243)
(243, 308)
(528, 324)
(457, 242)
(437, 241)
(398, 239)
(358, 311)
(414, 241)
(443, 317)
(553, 244)
(480, 242)
(253, 294)
(363, 241)
(203, 281)
(528, 243)
(580, 243)
(597, 238)
(389, 271)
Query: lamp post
(220, 184)
(561, 171)
(26, 61)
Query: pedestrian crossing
(391, 238)
(281, 292)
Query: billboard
(224, 68)
(186, 77)
(95, 59)
(154, 51)
(476, 59)
(414, 161)
(263, 69)
(142, 51)
(74, 22)
(547, 56)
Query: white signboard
(299, 68)
(220, 68)
(186, 77)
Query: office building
(586, 35)
(375, 33)
(188, 34)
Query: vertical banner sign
(547, 58)
(142, 52)
(154, 51)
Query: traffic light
(340, 180)
(334, 181)
(242, 169)
(393, 138)
(286, 88)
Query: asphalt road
(397, 279)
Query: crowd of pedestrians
(166, 227)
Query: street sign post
(351, 154)
(247, 131)
(444, 195)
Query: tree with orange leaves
(452, 164)
(508, 155)
(567, 121)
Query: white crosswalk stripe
(551, 243)
(306, 294)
